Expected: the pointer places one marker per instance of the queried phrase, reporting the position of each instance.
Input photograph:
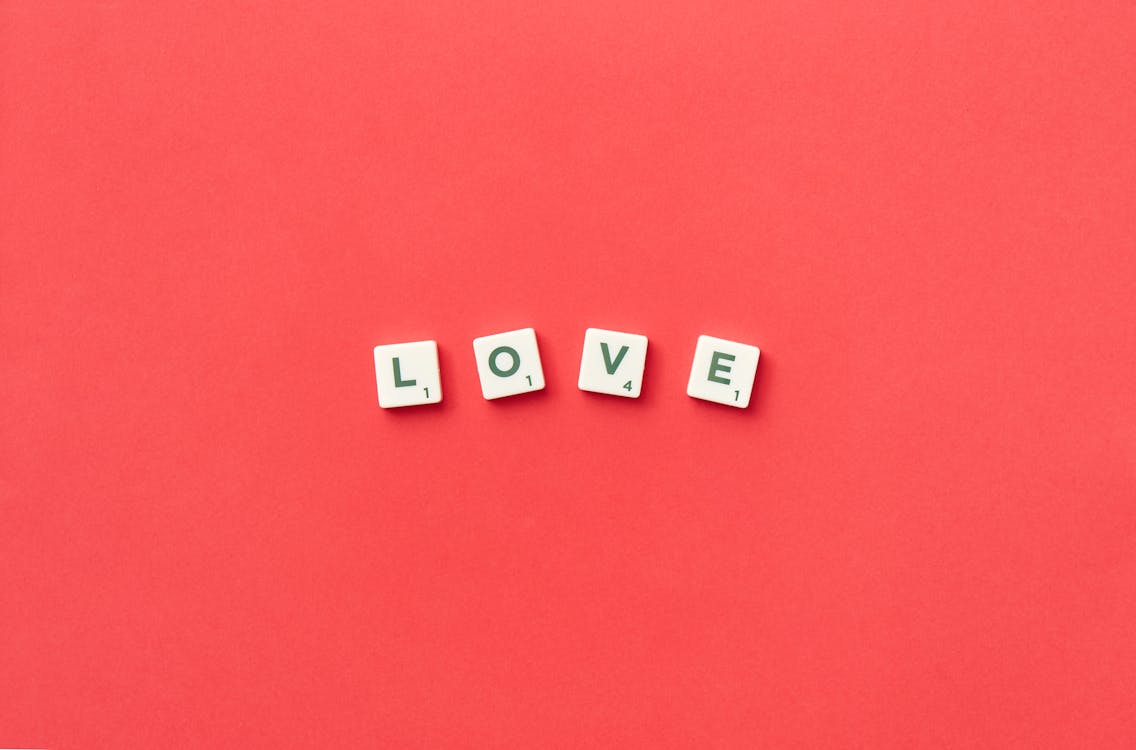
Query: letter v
(610, 366)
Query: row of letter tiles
(508, 364)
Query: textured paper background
(921, 534)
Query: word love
(509, 364)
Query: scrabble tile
(408, 374)
(723, 371)
(613, 362)
(508, 363)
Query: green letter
(398, 381)
(715, 367)
(610, 366)
(504, 350)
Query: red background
(919, 535)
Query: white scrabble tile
(613, 362)
(723, 371)
(508, 363)
(408, 374)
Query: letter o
(493, 361)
